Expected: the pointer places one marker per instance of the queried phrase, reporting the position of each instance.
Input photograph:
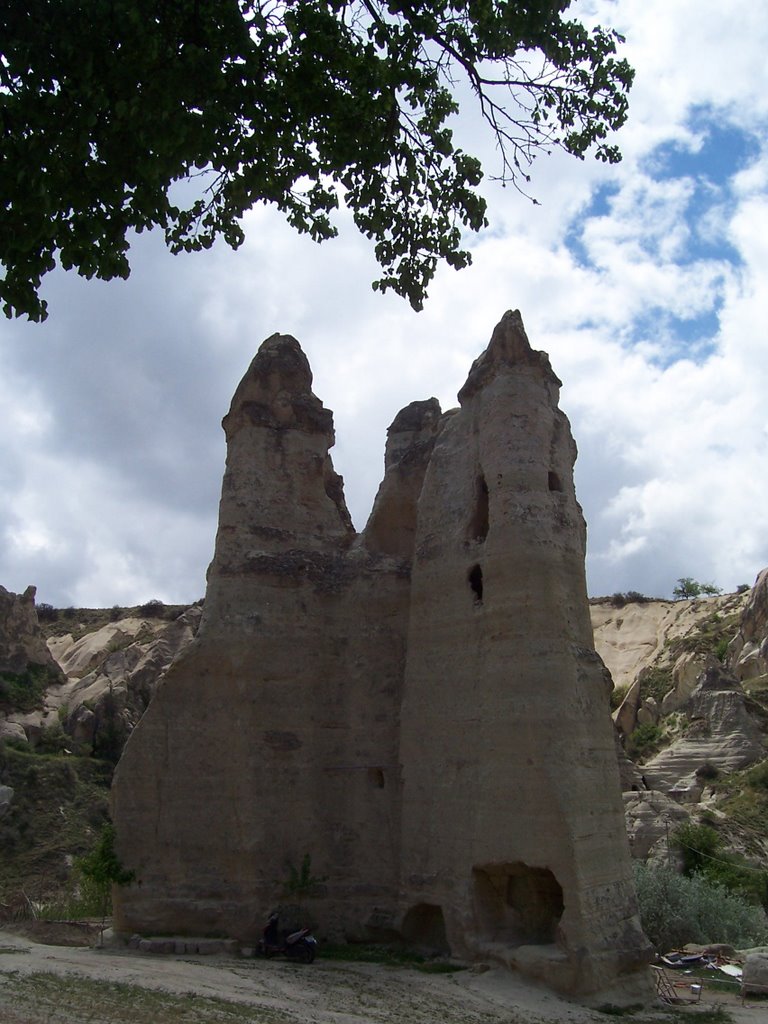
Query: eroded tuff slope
(694, 719)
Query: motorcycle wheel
(305, 953)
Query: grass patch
(58, 809)
(709, 635)
(73, 1000)
(612, 1010)
(389, 956)
(371, 953)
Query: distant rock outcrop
(722, 735)
(419, 707)
(97, 686)
(693, 716)
(21, 641)
(748, 654)
(635, 635)
(112, 675)
(26, 665)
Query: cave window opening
(475, 578)
(478, 527)
(554, 481)
(376, 778)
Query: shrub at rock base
(676, 910)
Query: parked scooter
(300, 945)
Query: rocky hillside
(691, 713)
(102, 670)
(72, 687)
(690, 698)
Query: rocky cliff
(27, 668)
(693, 719)
(393, 703)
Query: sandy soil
(323, 993)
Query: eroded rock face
(21, 642)
(112, 675)
(722, 734)
(418, 707)
(749, 651)
(26, 666)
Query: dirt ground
(46, 984)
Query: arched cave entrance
(424, 927)
(516, 904)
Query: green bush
(100, 869)
(644, 741)
(698, 844)
(53, 740)
(23, 691)
(655, 682)
(46, 612)
(704, 854)
(757, 777)
(152, 609)
(618, 693)
(675, 910)
(721, 648)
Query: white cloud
(112, 453)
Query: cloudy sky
(647, 283)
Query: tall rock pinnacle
(418, 707)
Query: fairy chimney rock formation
(418, 707)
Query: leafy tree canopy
(688, 588)
(106, 104)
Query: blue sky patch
(724, 151)
(678, 338)
(599, 206)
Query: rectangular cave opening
(424, 928)
(516, 904)
(478, 524)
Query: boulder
(685, 674)
(12, 731)
(754, 979)
(625, 716)
(651, 817)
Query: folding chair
(665, 990)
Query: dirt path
(42, 984)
